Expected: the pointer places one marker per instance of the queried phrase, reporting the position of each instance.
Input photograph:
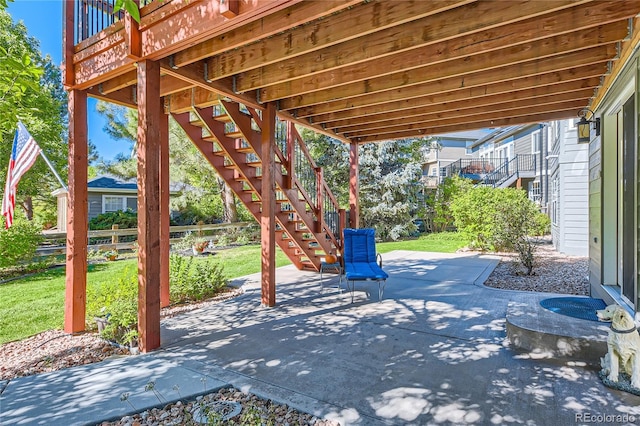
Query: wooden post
(267, 220)
(164, 207)
(354, 205)
(77, 215)
(149, 124)
(114, 237)
(68, 42)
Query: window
(534, 192)
(111, 203)
(535, 142)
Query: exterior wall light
(584, 125)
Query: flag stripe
(24, 153)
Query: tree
(31, 91)
(390, 193)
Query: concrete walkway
(433, 352)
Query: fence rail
(55, 242)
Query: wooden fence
(126, 239)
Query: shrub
(18, 243)
(439, 204)
(117, 301)
(194, 280)
(124, 219)
(500, 219)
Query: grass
(34, 304)
(443, 242)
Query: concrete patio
(433, 352)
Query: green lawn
(444, 242)
(35, 304)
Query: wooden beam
(124, 97)
(68, 43)
(439, 61)
(471, 106)
(77, 215)
(476, 76)
(198, 21)
(419, 122)
(628, 48)
(149, 135)
(435, 129)
(381, 49)
(268, 197)
(165, 235)
(195, 74)
(571, 79)
(279, 21)
(354, 178)
(346, 25)
(168, 84)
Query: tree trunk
(28, 207)
(228, 202)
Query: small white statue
(623, 345)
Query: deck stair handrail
(309, 220)
(508, 169)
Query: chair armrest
(379, 257)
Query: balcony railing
(492, 172)
(93, 16)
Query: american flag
(23, 155)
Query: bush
(117, 301)
(191, 280)
(124, 219)
(18, 243)
(500, 219)
(439, 204)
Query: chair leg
(381, 285)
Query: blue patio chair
(360, 260)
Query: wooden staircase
(308, 219)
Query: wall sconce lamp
(584, 125)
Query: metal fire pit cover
(576, 307)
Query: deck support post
(149, 135)
(77, 215)
(354, 204)
(267, 219)
(164, 207)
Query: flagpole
(44, 157)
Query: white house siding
(571, 232)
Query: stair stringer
(228, 175)
(243, 123)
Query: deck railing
(93, 16)
(492, 172)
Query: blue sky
(43, 19)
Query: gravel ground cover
(54, 349)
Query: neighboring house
(613, 190)
(445, 150)
(544, 159)
(513, 156)
(105, 194)
(568, 189)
